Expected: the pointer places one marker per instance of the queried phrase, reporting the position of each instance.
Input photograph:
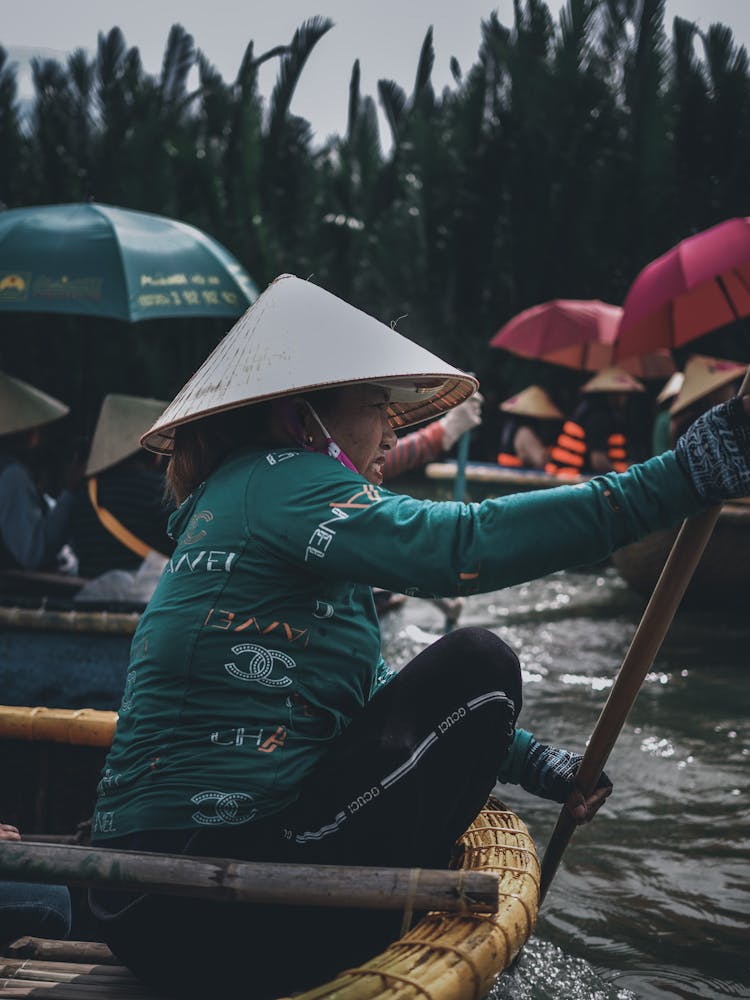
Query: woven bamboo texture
(443, 957)
(80, 726)
(457, 957)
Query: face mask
(331, 447)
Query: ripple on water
(649, 983)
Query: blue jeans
(36, 910)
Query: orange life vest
(508, 460)
(617, 451)
(568, 455)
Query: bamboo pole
(249, 881)
(47, 620)
(79, 726)
(46, 950)
(669, 590)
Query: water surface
(653, 898)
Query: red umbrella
(700, 284)
(576, 333)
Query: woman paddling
(259, 720)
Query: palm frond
(293, 62)
(393, 101)
(422, 84)
(179, 59)
(354, 101)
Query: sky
(385, 35)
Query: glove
(549, 772)
(715, 452)
(461, 419)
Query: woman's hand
(550, 772)
(8, 832)
(584, 809)
(460, 419)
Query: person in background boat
(33, 531)
(660, 431)
(259, 719)
(529, 430)
(27, 908)
(120, 516)
(707, 381)
(429, 443)
(602, 435)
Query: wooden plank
(249, 881)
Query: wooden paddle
(668, 592)
(462, 455)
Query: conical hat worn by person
(23, 407)
(613, 380)
(122, 421)
(703, 375)
(298, 337)
(532, 402)
(671, 388)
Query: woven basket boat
(723, 573)
(443, 957)
(488, 479)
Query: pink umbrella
(576, 333)
(700, 284)
(571, 332)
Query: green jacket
(261, 640)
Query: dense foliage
(557, 165)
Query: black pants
(398, 787)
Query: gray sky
(385, 35)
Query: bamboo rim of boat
(44, 619)
(452, 957)
(79, 726)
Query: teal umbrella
(98, 260)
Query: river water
(653, 897)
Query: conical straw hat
(613, 380)
(670, 388)
(22, 407)
(703, 375)
(298, 337)
(122, 421)
(532, 402)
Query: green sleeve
(511, 771)
(331, 522)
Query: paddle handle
(462, 456)
(668, 592)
